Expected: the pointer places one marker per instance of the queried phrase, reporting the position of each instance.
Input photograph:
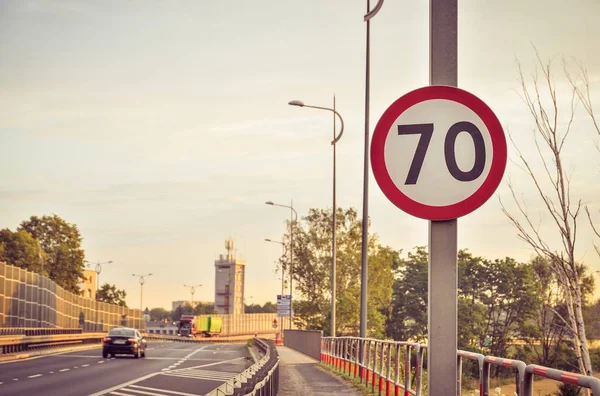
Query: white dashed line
(63, 370)
(35, 376)
(85, 365)
(101, 361)
(1, 383)
(51, 372)
(15, 379)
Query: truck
(199, 326)
(186, 326)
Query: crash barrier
(32, 331)
(28, 299)
(396, 367)
(260, 379)
(306, 341)
(24, 343)
(211, 340)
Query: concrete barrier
(306, 341)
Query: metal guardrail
(23, 343)
(261, 379)
(387, 366)
(33, 331)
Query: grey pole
(283, 254)
(333, 239)
(98, 270)
(293, 219)
(364, 270)
(334, 210)
(442, 313)
(142, 279)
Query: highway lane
(169, 369)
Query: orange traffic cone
(278, 339)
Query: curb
(21, 356)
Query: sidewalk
(301, 375)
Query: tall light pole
(333, 215)
(364, 269)
(142, 279)
(192, 291)
(283, 254)
(293, 219)
(98, 269)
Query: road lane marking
(35, 376)
(63, 370)
(145, 377)
(51, 372)
(85, 365)
(101, 361)
(170, 392)
(15, 379)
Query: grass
(250, 343)
(355, 382)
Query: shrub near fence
(28, 299)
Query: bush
(568, 390)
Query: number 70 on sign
(438, 153)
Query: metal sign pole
(442, 313)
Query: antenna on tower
(229, 247)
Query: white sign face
(438, 153)
(401, 153)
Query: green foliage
(568, 390)
(268, 307)
(111, 295)
(312, 273)
(204, 309)
(159, 314)
(61, 242)
(495, 298)
(20, 249)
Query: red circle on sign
(458, 209)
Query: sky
(161, 128)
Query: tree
(553, 186)
(204, 309)
(159, 314)
(312, 273)
(20, 249)
(61, 242)
(111, 295)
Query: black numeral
(426, 131)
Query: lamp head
(296, 103)
(269, 203)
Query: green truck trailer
(208, 326)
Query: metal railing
(260, 379)
(396, 367)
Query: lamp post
(142, 279)
(283, 254)
(192, 291)
(294, 218)
(333, 215)
(364, 269)
(98, 269)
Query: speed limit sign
(438, 153)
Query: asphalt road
(169, 369)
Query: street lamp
(283, 254)
(294, 218)
(142, 281)
(98, 269)
(333, 215)
(192, 291)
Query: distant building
(230, 274)
(88, 285)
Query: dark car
(124, 340)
